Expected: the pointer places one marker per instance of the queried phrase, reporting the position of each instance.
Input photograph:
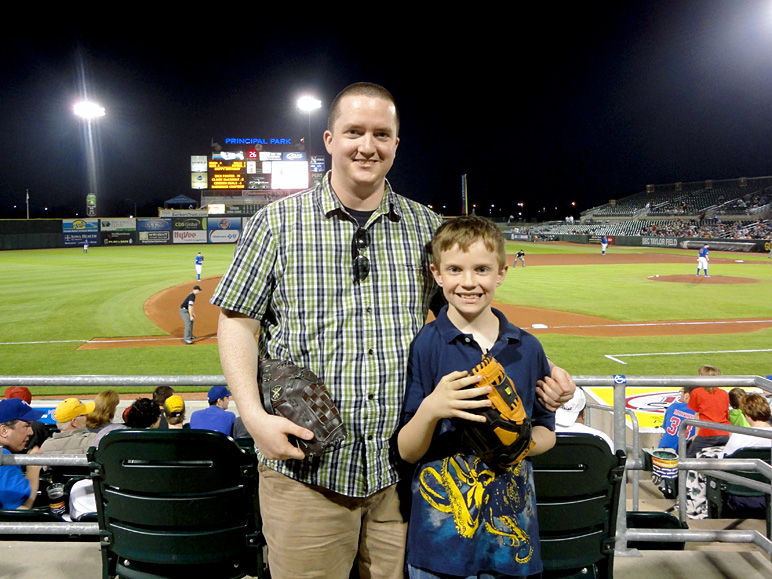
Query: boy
(675, 413)
(469, 518)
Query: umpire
(188, 314)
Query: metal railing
(618, 383)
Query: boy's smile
(468, 279)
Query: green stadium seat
(176, 504)
(578, 483)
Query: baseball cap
(174, 405)
(566, 414)
(18, 392)
(72, 408)
(217, 392)
(18, 409)
(197, 287)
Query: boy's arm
(450, 399)
(544, 439)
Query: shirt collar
(508, 331)
(331, 205)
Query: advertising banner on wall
(80, 231)
(224, 229)
(118, 231)
(154, 231)
(188, 229)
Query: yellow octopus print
(481, 500)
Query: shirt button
(370, 351)
(370, 396)
(467, 340)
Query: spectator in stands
(17, 490)
(711, 405)
(216, 417)
(675, 413)
(160, 395)
(40, 431)
(73, 436)
(736, 415)
(105, 404)
(570, 418)
(143, 413)
(757, 412)
(174, 411)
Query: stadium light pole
(89, 111)
(309, 104)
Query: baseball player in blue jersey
(702, 260)
(603, 245)
(200, 265)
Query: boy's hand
(453, 399)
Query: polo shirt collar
(331, 205)
(507, 330)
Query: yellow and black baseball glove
(505, 436)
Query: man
(216, 416)
(174, 411)
(702, 259)
(17, 490)
(40, 431)
(73, 436)
(519, 256)
(188, 314)
(160, 394)
(337, 280)
(570, 418)
(603, 245)
(199, 265)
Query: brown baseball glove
(299, 396)
(505, 436)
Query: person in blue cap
(17, 490)
(216, 417)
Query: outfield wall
(740, 245)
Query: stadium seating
(719, 491)
(578, 483)
(176, 504)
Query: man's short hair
(466, 230)
(367, 89)
(161, 393)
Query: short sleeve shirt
(293, 271)
(14, 486)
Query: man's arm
(557, 389)
(191, 313)
(33, 477)
(238, 357)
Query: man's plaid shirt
(293, 272)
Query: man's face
(363, 143)
(224, 402)
(15, 438)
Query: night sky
(542, 106)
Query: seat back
(577, 485)
(717, 490)
(175, 502)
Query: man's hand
(555, 390)
(271, 434)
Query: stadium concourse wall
(740, 245)
(172, 227)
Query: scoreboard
(251, 169)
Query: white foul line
(616, 357)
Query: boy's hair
(756, 407)
(367, 89)
(709, 371)
(466, 230)
(142, 414)
(736, 396)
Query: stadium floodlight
(88, 110)
(308, 104)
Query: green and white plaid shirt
(293, 272)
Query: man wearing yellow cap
(73, 436)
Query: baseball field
(634, 311)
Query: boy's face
(469, 278)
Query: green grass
(54, 300)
